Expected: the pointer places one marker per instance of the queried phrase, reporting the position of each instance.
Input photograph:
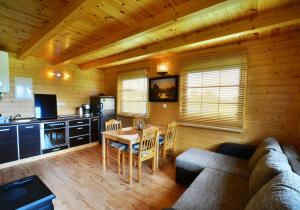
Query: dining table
(128, 136)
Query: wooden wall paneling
(273, 93)
(70, 93)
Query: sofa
(269, 179)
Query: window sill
(211, 127)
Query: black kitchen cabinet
(8, 144)
(94, 129)
(29, 140)
(79, 130)
(77, 141)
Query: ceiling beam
(65, 16)
(257, 24)
(191, 7)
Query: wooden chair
(146, 149)
(112, 146)
(137, 121)
(167, 142)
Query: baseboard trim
(39, 157)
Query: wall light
(58, 75)
(66, 76)
(163, 68)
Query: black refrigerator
(105, 108)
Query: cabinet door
(79, 131)
(94, 129)
(8, 144)
(77, 141)
(29, 140)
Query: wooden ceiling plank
(73, 10)
(184, 10)
(258, 24)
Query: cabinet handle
(79, 128)
(3, 130)
(55, 149)
(28, 127)
(80, 138)
(79, 122)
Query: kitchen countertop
(34, 120)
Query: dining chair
(146, 149)
(167, 141)
(138, 122)
(113, 146)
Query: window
(133, 93)
(213, 92)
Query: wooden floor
(78, 181)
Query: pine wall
(70, 93)
(273, 94)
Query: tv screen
(45, 106)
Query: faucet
(14, 118)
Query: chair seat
(135, 150)
(161, 139)
(118, 145)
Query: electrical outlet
(164, 106)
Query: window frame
(139, 73)
(210, 64)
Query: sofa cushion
(214, 189)
(268, 167)
(195, 160)
(282, 192)
(290, 151)
(293, 157)
(263, 148)
(243, 151)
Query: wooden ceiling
(101, 33)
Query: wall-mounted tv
(45, 106)
(163, 89)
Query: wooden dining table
(128, 136)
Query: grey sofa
(219, 181)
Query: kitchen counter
(34, 120)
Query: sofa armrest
(243, 151)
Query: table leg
(130, 164)
(104, 153)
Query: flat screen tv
(45, 106)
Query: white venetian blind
(213, 91)
(133, 93)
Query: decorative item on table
(140, 125)
(163, 89)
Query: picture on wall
(163, 89)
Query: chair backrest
(113, 125)
(171, 133)
(137, 121)
(148, 140)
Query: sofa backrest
(267, 168)
(262, 149)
